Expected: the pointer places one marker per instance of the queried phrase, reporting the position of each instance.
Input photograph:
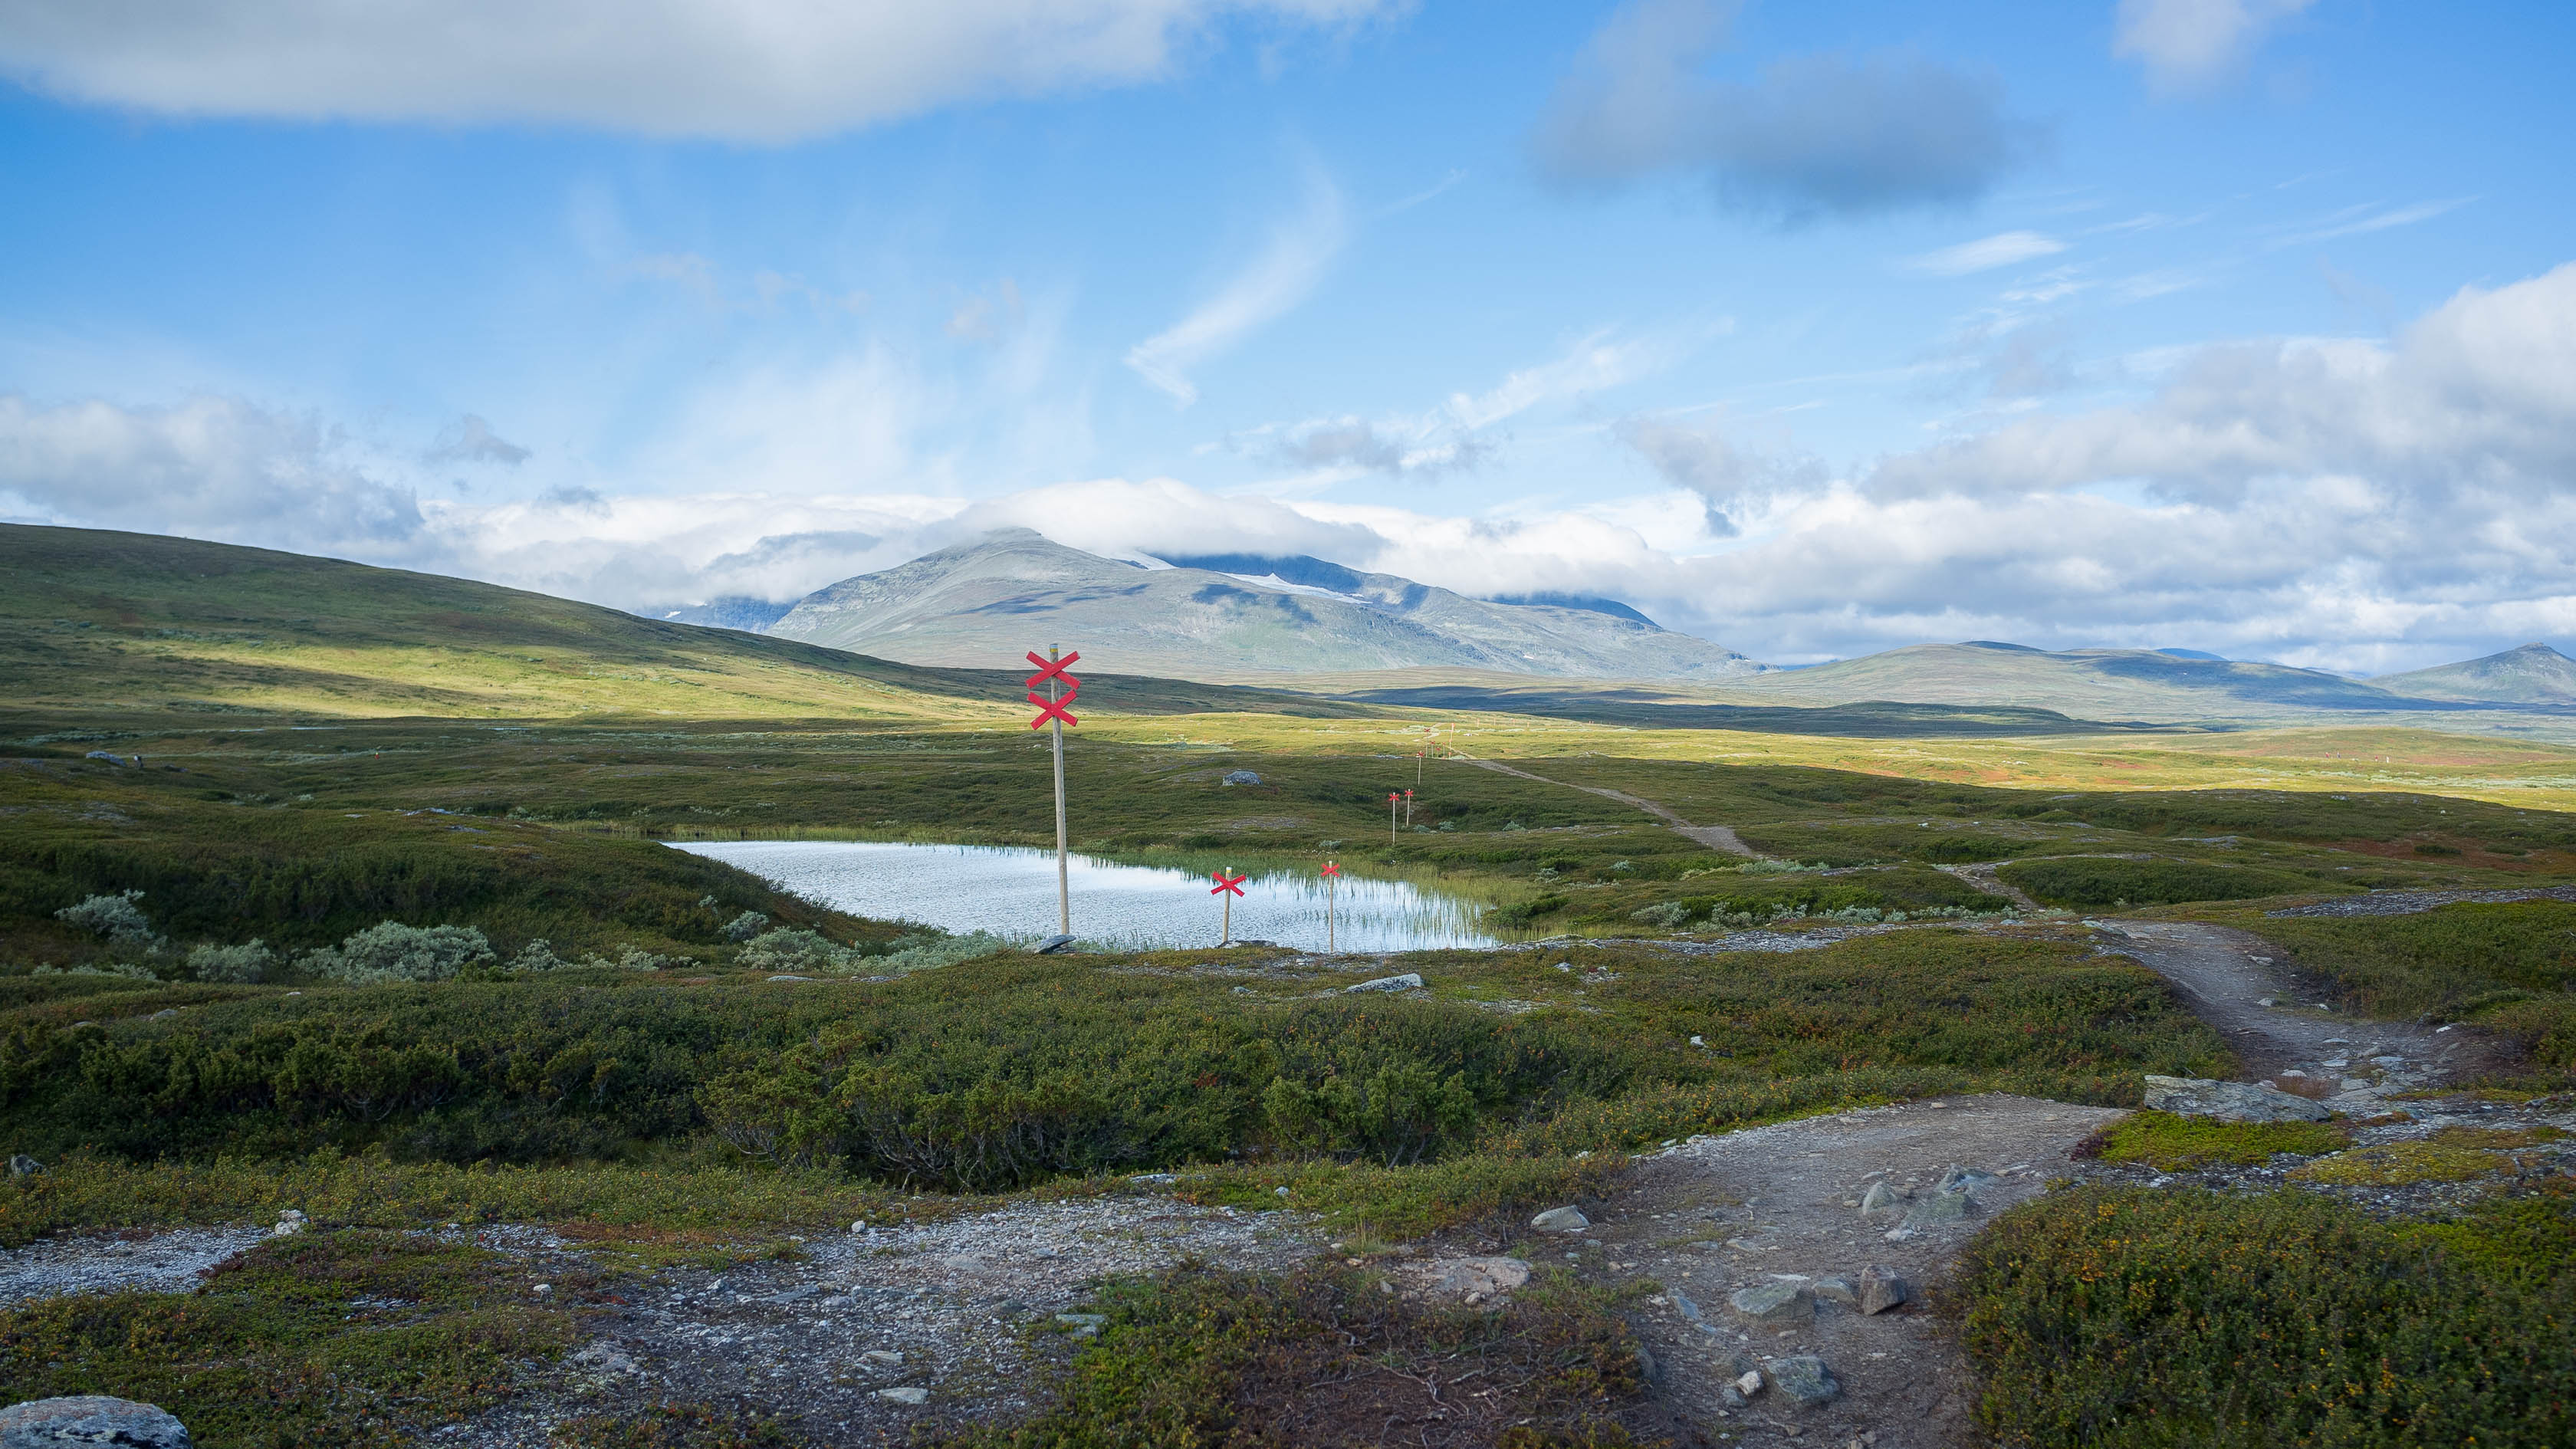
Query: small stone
(1967, 1180)
(1940, 1207)
(963, 1263)
(881, 1358)
(1881, 1198)
(1805, 1381)
(1729, 1396)
(1748, 1383)
(1561, 1220)
(164, 1014)
(1082, 1325)
(1241, 777)
(858, 1225)
(1836, 1290)
(545, 1288)
(906, 1394)
(21, 1165)
(2267, 1001)
(1773, 1303)
(289, 1223)
(1649, 1367)
(1055, 945)
(1409, 981)
(91, 1419)
(1880, 1289)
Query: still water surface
(1010, 892)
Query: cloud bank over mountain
(2340, 503)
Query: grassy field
(296, 751)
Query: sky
(2246, 326)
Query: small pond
(1010, 892)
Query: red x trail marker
(1331, 869)
(1051, 709)
(1226, 882)
(1054, 669)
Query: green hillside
(98, 621)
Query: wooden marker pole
(1332, 891)
(1225, 933)
(1391, 799)
(1063, 882)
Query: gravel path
(111, 1263)
(1782, 1205)
(1719, 838)
(2281, 1025)
(2407, 903)
(940, 1307)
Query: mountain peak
(1228, 616)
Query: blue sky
(2227, 324)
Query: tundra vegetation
(358, 901)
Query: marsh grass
(347, 1338)
(2122, 1317)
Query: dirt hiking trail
(1716, 837)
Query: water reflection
(1010, 892)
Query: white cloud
(2361, 220)
(749, 70)
(471, 440)
(2329, 502)
(2189, 45)
(1814, 136)
(210, 467)
(2002, 249)
(1276, 280)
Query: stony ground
(1749, 1240)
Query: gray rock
(1055, 945)
(1881, 1198)
(906, 1394)
(1409, 981)
(1729, 1396)
(1777, 1303)
(1836, 1290)
(1082, 1325)
(1940, 1207)
(881, 1358)
(1561, 1220)
(1465, 1280)
(1805, 1381)
(21, 1165)
(1649, 1367)
(289, 1223)
(1749, 1382)
(2230, 1101)
(1881, 1289)
(1967, 1180)
(1241, 777)
(91, 1419)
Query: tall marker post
(1228, 887)
(1332, 880)
(1392, 800)
(1408, 807)
(1061, 688)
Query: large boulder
(1561, 1220)
(2230, 1101)
(1880, 1289)
(91, 1420)
(1804, 1380)
(1773, 1303)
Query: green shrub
(115, 917)
(2169, 1143)
(2161, 1317)
(2087, 882)
(391, 951)
(244, 964)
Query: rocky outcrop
(2230, 1101)
(91, 1420)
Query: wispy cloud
(2191, 45)
(2358, 220)
(1986, 253)
(1277, 280)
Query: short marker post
(1391, 800)
(1228, 887)
(1332, 884)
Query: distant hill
(95, 621)
(2533, 674)
(1228, 617)
(2100, 684)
